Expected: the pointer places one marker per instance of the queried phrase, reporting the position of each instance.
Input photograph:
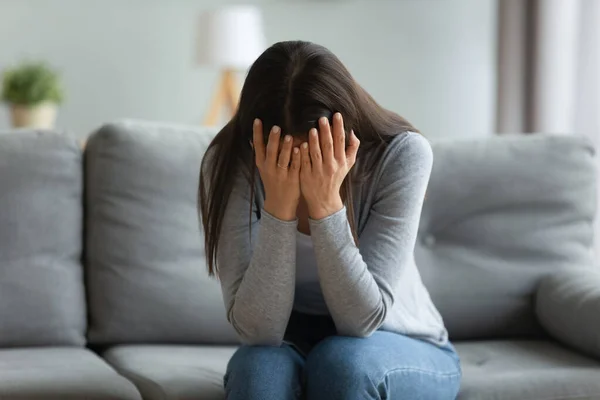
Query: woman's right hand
(280, 177)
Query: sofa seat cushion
(173, 372)
(60, 373)
(526, 370)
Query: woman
(310, 200)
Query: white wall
(432, 61)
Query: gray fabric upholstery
(146, 272)
(500, 214)
(494, 370)
(60, 374)
(568, 306)
(42, 299)
(173, 372)
(526, 370)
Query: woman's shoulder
(407, 152)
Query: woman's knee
(340, 355)
(256, 360)
(336, 369)
(262, 371)
(350, 368)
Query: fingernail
(256, 121)
(287, 138)
(338, 116)
(313, 132)
(323, 120)
(305, 145)
(275, 129)
(296, 150)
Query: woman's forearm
(260, 308)
(353, 297)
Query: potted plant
(33, 90)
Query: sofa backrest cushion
(145, 269)
(42, 297)
(500, 214)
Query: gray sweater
(373, 286)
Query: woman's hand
(325, 165)
(278, 175)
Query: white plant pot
(42, 116)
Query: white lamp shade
(231, 37)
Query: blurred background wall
(433, 61)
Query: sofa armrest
(568, 307)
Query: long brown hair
(291, 85)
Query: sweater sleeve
(359, 283)
(257, 269)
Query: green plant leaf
(32, 83)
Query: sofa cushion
(60, 374)
(526, 370)
(42, 298)
(173, 372)
(500, 214)
(146, 275)
(494, 370)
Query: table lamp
(230, 39)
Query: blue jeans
(383, 366)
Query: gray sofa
(104, 292)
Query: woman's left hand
(325, 164)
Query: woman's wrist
(325, 209)
(284, 213)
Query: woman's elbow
(359, 331)
(253, 332)
(262, 341)
(258, 337)
(365, 326)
